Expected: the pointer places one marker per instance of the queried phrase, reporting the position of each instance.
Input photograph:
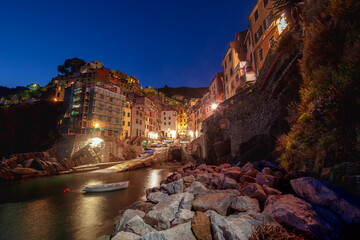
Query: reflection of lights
(55, 99)
(281, 23)
(95, 142)
(214, 106)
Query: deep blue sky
(173, 42)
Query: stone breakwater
(225, 202)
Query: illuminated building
(137, 121)
(169, 124)
(126, 121)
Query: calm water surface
(38, 208)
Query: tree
(71, 66)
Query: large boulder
(313, 221)
(154, 236)
(201, 227)
(180, 232)
(127, 215)
(218, 202)
(187, 201)
(265, 179)
(244, 204)
(173, 187)
(163, 213)
(182, 216)
(138, 226)
(156, 197)
(229, 183)
(197, 189)
(327, 195)
(125, 236)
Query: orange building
(264, 30)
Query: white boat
(106, 187)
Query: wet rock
(182, 216)
(296, 213)
(218, 202)
(197, 189)
(173, 187)
(138, 226)
(254, 190)
(244, 204)
(201, 227)
(127, 215)
(125, 236)
(328, 195)
(156, 197)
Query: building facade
(169, 124)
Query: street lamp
(214, 106)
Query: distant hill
(5, 91)
(187, 92)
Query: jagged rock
(188, 166)
(244, 204)
(196, 188)
(182, 216)
(180, 232)
(127, 215)
(252, 172)
(329, 196)
(201, 227)
(153, 189)
(164, 212)
(246, 180)
(234, 174)
(28, 163)
(125, 236)
(203, 177)
(154, 236)
(187, 201)
(296, 213)
(217, 180)
(156, 197)
(265, 179)
(188, 180)
(218, 202)
(247, 167)
(223, 229)
(271, 191)
(138, 226)
(254, 190)
(229, 183)
(174, 187)
(224, 165)
(268, 171)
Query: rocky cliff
(246, 126)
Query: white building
(169, 124)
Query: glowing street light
(214, 106)
(96, 125)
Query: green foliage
(328, 113)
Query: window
(111, 99)
(128, 124)
(231, 71)
(169, 123)
(169, 118)
(128, 114)
(101, 96)
(271, 41)
(124, 114)
(261, 54)
(164, 113)
(258, 34)
(164, 118)
(137, 112)
(141, 114)
(230, 57)
(164, 123)
(267, 22)
(123, 123)
(140, 122)
(266, 3)
(256, 15)
(137, 121)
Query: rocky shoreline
(256, 201)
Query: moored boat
(106, 187)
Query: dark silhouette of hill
(187, 92)
(5, 91)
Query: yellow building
(182, 123)
(126, 123)
(264, 31)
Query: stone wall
(251, 121)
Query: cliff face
(251, 121)
(29, 127)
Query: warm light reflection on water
(39, 209)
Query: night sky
(173, 42)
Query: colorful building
(126, 122)
(137, 121)
(169, 124)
